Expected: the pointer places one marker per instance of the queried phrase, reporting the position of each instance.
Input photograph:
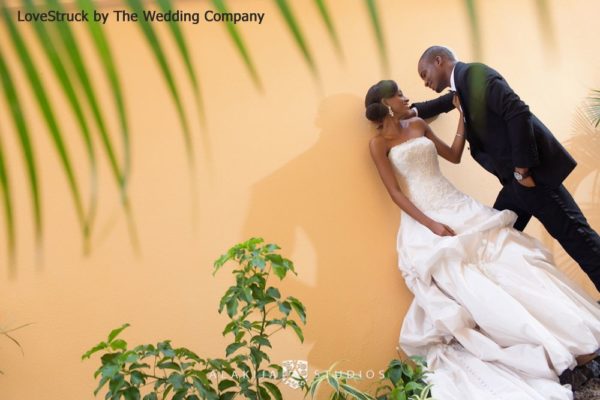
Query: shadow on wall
(584, 184)
(331, 193)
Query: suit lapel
(460, 81)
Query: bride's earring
(390, 111)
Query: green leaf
(398, 394)
(151, 396)
(227, 395)
(103, 382)
(247, 295)
(374, 16)
(474, 25)
(166, 5)
(115, 332)
(118, 344)
(232, 306)
(138, 378)
(296, 329)
(169, 365)
(264, 394)
(95, 349)
(239, 43)
(333, 382)
(17, 114)
(233, 347)
(5, 188)
(294, 28)
(226, 384)
(131, 393)
(45, 105)
(299, 308)
(166, 349)
(66, 84)
(110, 370)
(163, 63)
(258, 262)
(116, 383)
(355, 392)
(274, 390)
(273, 292)
(120, 174)
(413, 387)
(180, 395)
(285, 307)
(329, 24)
(262, 340)
(271, 247)
(177, 380)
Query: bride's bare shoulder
(378, 144)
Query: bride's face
(398, 102)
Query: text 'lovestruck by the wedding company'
(176, 16)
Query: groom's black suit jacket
(501, 131)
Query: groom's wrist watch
(521, 175)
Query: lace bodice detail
(420, 178)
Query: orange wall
(289, 164)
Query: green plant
(257, 311)
(405, 382)
(400, 381)
(338, 383)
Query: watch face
(517, 175)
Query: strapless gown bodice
(418, 170)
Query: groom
(511, 143)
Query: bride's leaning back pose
(491, 314)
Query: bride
(491, 314)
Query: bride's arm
(454, 152)
(386, 172)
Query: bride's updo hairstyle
(375, 109)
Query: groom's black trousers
(562, 218)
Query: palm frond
(63, 78)
(70, 47)
(166, 5)
(161, 58)
(546, 25)
(107, 60)
(294, 27)
(24, 136)
(475, 29)
(239, 43)
(325, 16)
(49, 115)
(379, 37)
(5, 188)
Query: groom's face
(432, 73)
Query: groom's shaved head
(431, 53)
(435, 67)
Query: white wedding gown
(491, 314)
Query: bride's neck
(393, 125)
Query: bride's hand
(441, 229)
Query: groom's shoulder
(478, 67)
